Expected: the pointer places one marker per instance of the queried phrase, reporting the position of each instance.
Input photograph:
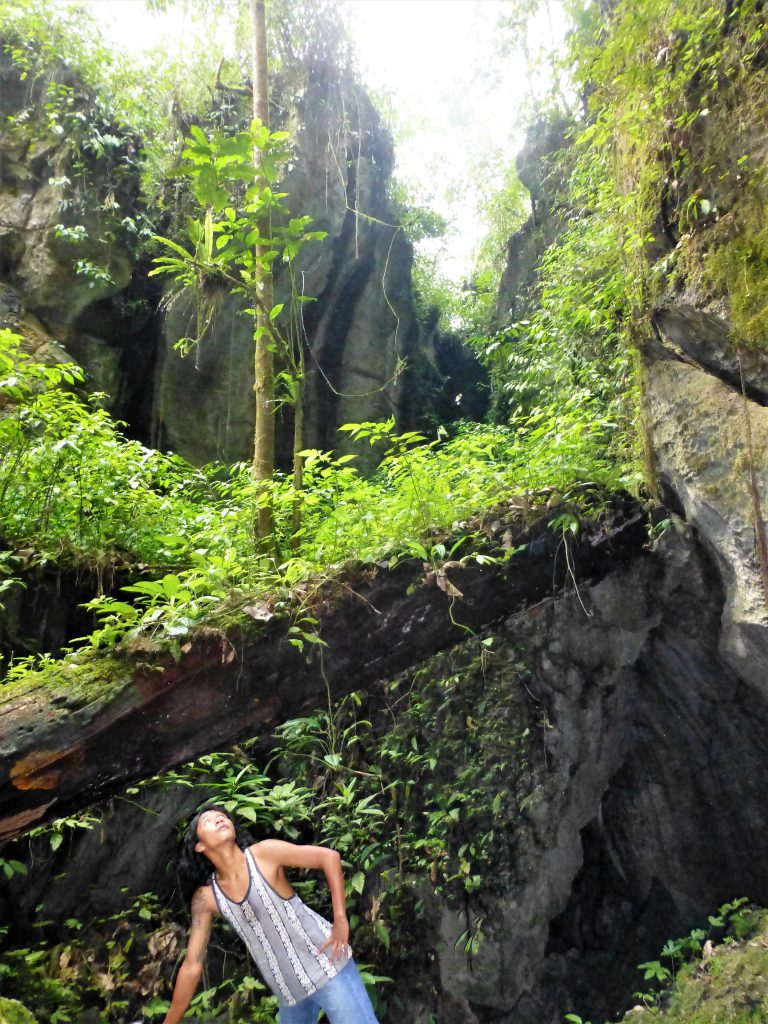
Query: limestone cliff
(73, 280)
(661, 844)
(539, 170)
(362, 330)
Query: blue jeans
(343, 998)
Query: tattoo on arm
(200, 931)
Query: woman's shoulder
(204, 899)
(272, 849)
(263, 846)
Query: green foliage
(414, 213)
(573, 406)
(735, 262)
(60, 827)
(120, 966)
(417, 792)
(12, 867)
(434, 296)
(680, 957)
(247, 791)
(567, 363)
(75, 492)
(469, 307)
(417, 789)
(71, 487)
(36, 34)
(504, 211)
(725, 983)
(677, 952)
(91, 106)
(675, 91)
(651, 194)
(238, 209)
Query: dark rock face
(705, 340)
(133, 850)
(684, 802)
(104, 322)
(46, 612)
(361, 329)
(648, 809)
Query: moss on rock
(80, 680)
(85, 676)
(13, 1012)
(729, 987)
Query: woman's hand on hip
(337, 944)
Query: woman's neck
(227, 861)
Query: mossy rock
(730, 987)
(13, 1012)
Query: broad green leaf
(199, 135)
(171, 584)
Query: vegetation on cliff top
(729, 984)
(12, 1012)
(697, 981)
(78, 494)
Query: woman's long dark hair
(194, 868)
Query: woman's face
(214, 829)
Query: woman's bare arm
(191, 969)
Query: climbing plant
(243, 227)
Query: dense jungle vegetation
(637, 197)
(563, 403)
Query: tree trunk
(298, 447)
(75, 734)
(264, 435)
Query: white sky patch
(435, 71)
(459, 102)
(129, 26)
(426, 58)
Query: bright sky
(454, 105)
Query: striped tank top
(283, 937)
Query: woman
(305, 960)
